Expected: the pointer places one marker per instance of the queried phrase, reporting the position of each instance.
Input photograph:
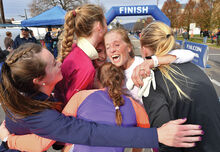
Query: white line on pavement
(214, 54)
(215, 82)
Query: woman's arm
(158, 111)
(30, 142)
(56, 126)
(72, 130)
(34, 143)
(182, 55)
(174, 56)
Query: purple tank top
(99, 107)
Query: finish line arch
(142, 10)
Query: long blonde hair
(79, 23)
(159, 37)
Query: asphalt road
(214, 71)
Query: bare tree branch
(39, 6)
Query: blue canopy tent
(52, 17)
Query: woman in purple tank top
(108, 106)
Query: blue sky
(15, 8)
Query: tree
(203, 14)
(187, 15)
(215, 19)
(171, 8)
(39, 6)
(139, 25)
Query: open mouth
(116, 57)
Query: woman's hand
(3, 131)
(142, 71)
(175, 134)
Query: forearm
(30, 142)
(76, 131)
(166, 59)
(174, 56)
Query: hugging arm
(174, 56)
(158, 110)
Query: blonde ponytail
(159, 38)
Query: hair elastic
(117, 108)
(168, 35)
(74, 13)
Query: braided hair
(112, 78)
(16, 88)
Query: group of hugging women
(160, 100)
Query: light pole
(25, 12)
(157, 2)
(2, 12)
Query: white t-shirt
(182, 56)
(128, 73)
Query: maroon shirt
(78, 74)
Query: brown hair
(159, 38)
(80, 22)
(125, 38)
(8, 33)
(112, 78)
(20, 68)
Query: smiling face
(117, 50)
(53, 68)
(25, 33)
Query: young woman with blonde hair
(183, 90)
(120, 51)
(87, 24)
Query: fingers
(190, 127)
(178, 121)
(187, 141)
(186, 145)
(136, 78)
(191, 133)
(140, 72)
(192, 139)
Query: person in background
(29, 75)
(48, 40)
(213, 37)
(183, 90)
(201, 33)
(205, 36)
(218, 37)
(185, 35)
(32, 35)
(23, 37)
(8, 40)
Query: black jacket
(18, 41)
(205, 33)
(203, 108)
